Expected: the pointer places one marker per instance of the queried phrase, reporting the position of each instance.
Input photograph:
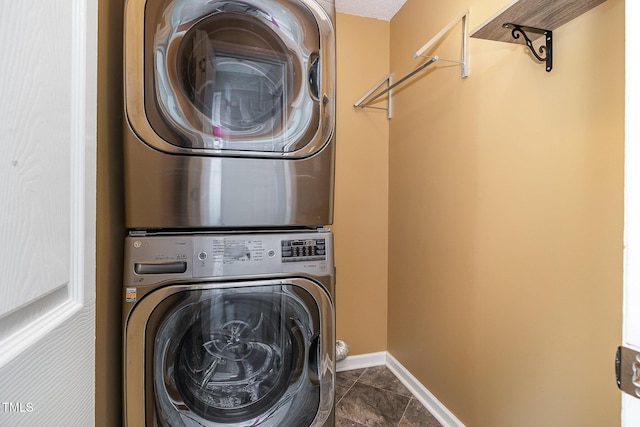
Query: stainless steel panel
(183, 191)
(224, 256)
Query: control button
(202, 256)
(271, 253)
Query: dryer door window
(236, 357)
(239, 76)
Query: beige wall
(506, 220)
(361, 191)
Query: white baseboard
(437, 409)
(362, 361)
(420, 392)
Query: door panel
(631, 321)
(47, 185)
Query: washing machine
(230, 329)
(230, 113)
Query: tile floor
(374, 397)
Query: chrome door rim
(135, 331)
(135, 110)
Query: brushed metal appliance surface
(212, 295)
(230, 114)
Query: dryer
(230, 113)
(229, 330)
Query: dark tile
(351, 375)
(372, 406)
(345, 380)
(417, 415)
(343, 422)
(342, 388)
(382, 377)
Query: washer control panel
(154, 258)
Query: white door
(631, 322)
(47, 215)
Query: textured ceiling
(380, 9)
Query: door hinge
(628, 371)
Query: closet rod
(368, 99)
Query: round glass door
(237, 357)
(237, 75)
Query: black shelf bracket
(545, 50)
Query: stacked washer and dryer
(229, 163)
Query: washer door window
(236, 77)
(236, 357)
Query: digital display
(303, 242)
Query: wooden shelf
(544, 14)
